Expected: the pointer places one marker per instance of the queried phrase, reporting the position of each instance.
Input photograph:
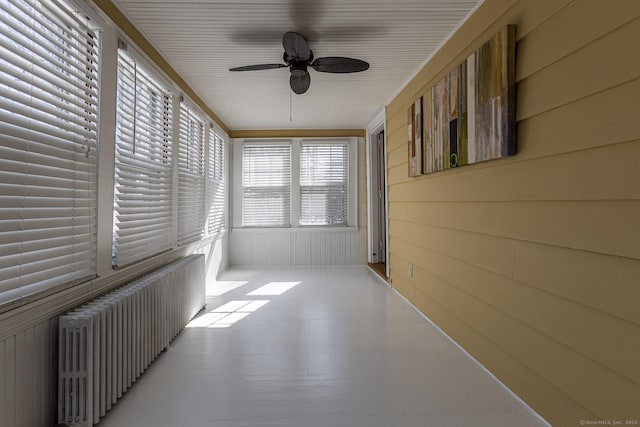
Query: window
(296, 183)
(48, 128)
(142, 204)
(324, 184)
(266, 185)
(216, 183)
(191, 178)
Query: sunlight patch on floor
(227, 314)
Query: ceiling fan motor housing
(292, 60)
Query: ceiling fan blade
(299, 81)
(295, 47)
(338, 64)
(257, 67)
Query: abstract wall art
(469, 115)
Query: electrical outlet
(410, 270)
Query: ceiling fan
(298, 56)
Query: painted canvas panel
(427, 140)
(410, 140)
(415, 134)
(461, 139)
(471, 113)
(493, 98)
(440, 123)
(418, 131)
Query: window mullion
(175, 189)
(209, 140)
(191, 176)
(295, 184)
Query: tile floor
(313, 347)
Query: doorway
(378, 202)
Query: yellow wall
(532, 263)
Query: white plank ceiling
(202, 39)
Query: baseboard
(473, 359)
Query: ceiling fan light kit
(298, 56)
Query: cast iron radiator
(106, 344)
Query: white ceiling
(202, 39)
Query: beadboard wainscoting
(28, 375)
(298, 246)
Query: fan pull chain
(290, 105)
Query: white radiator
(105, 344)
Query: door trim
(377, 124)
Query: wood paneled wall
(532, 263)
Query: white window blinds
(48, 120)
(216, 183)
(324, 184)
(142, 204)
(266, 185)
(191, 178)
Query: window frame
(61, 110)
(301, 188)
(151, 75)
(217, 181)
(191, 175)
(352, 144)
(239, 173)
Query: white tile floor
(327, 346)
